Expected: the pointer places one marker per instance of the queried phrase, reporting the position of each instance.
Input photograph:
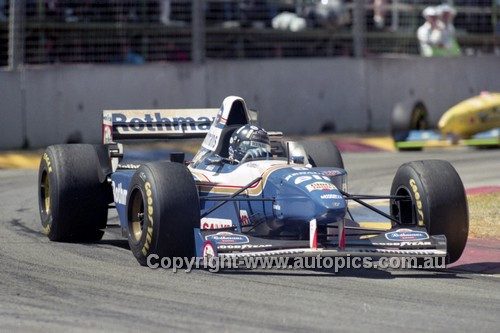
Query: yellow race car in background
(473, 122)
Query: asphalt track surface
(46, 286)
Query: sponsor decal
(331, 173)
(401, 244)
(243, 247)
(300, 168)
(401, 235)
(47, 161)
(129, 166)
(208, 250)
(414, 243)
(208, 223)
(302, 179)
(227, 238)
(106, 118)
(149, 235)
(492, 115)
(119, 193)
(331, 196)
(305, 176)
(107, 134)
(208, 253)
(418, 202)
(245, 220)
(212, 138)
(158, 124)
(276, 207)
(320, 186)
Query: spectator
(450, 44)
(3, 7)
(430, 34)
(379, 13)
(288, 21)
(165, 11)
(128, 56)
(327, 14)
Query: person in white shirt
(430, 34)
(446, 14)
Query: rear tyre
(73, 202)
(438, 202)
(162, 211)
(408, 116)
(323, 153)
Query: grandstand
(38, 32)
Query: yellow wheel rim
(136, 215)
(45, 193)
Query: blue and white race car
(291, 201)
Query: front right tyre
(438, 202)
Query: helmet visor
(247, 145)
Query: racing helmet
(249, 139)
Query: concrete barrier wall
(298, 96)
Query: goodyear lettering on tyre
(418, 202)
(149, 235)
(47, 161)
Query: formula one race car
(290, 202)
(473, 122)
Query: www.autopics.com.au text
(215, 264)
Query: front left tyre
(73, 201)
(162, 211)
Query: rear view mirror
(213, 160)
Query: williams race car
(247, 192)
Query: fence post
(395, 15)
(198, 32)
(358, 28)
(16, 42)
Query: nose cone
(308, 198)
(328, 202)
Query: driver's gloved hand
(256, 153)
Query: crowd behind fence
(134, 32)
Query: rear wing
(119, 125)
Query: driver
(249, 141)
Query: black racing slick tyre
(72, 199)
(407, 116)
(438, 202)
(162, 211)
(323, 153)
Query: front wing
(402, 242)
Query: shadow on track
(491, 268)
(121, 243)
(358, 273)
